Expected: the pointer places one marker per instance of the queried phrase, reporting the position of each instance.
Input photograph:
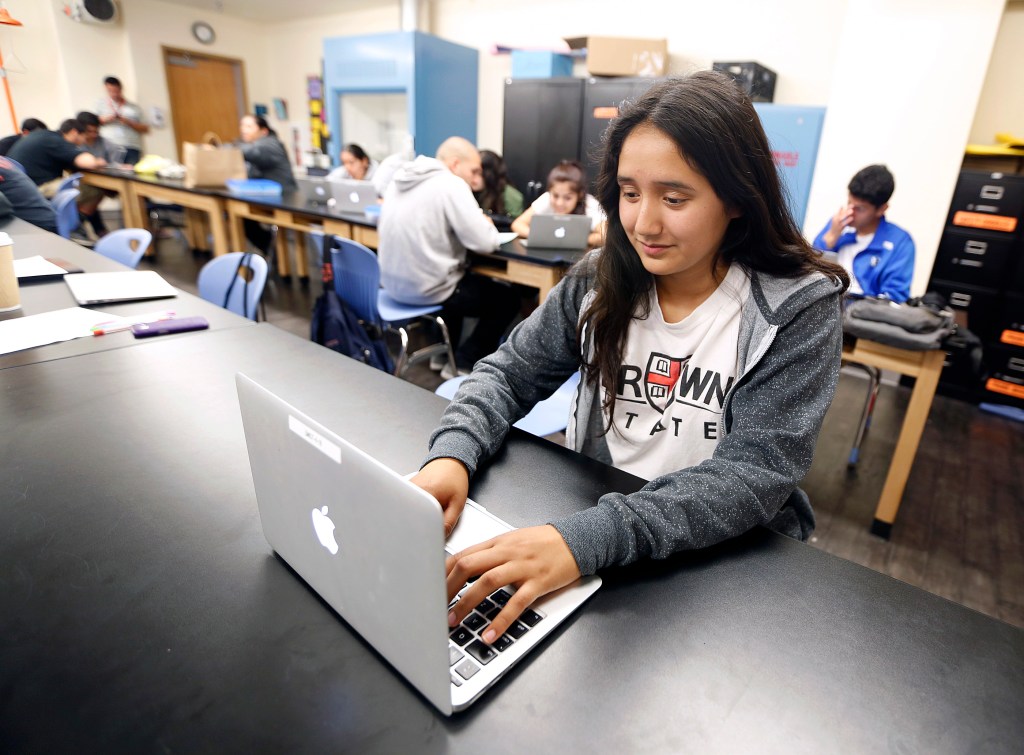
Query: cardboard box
(623, 56)
(540, 64)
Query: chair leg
(874, 383)
(448, 344)
(400, 363)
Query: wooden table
(134, 189)
(528, 266)
(925, 367)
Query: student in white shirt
(355, 165)
(566, 195)
(708, 334)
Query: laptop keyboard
(467, 652)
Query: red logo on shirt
(660, 379)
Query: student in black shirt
(47, 154)
(27, 126)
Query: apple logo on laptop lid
(560, 232)
(324, 528)
(354, 197)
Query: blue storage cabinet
(439, 79)
(794, 133)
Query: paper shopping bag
(211, 164)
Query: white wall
(907, 101)
(35, 65)
(1001, 107)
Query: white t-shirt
(846, 255)
(117, 132)
(542, 206)
(673, 382)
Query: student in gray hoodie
(708, 333)
(428, 221)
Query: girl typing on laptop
(708, 335)
(566, 195)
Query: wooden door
(207, 93)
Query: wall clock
(203, 32)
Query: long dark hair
(492, 197)
(572, 172)
(719, 135)
(356, 151)
(262, 125)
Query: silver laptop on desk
(353, 196)
(559, 231)
(372, 545)
(315, 190)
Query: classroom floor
(960, 528)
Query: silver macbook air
(559, 231)
(129, 285)
(315, 190)
(372, 545)
(353, 196)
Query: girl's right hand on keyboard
(448, 481)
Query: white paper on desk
(506, 236)
(30, 267)
(49, 327)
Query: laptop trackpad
(475, 525)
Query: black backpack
(336, 326)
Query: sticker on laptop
(315, 439)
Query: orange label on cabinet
(606, 113)
(1001, 386)
(1003, 223)
(1013, 337)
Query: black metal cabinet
(979, 268)
(547, 120)
(542, 126)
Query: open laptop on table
(353, 196)
(315, 190)
(372, 545)
(559, 231)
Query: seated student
(497, 197)
(709, 336)
(47, 154)
(27, 126)
(21, 198)
(428, 220)
(879, 255)
(566, 195)
(99, 147)
(265, 157)
(355, 165)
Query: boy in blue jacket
(879, 255)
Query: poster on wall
(317, 118)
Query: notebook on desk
(130, 285)
(372, 545)
(559, 232)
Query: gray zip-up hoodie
(790, 345)
(427, 222)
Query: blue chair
(357, 283)
(117, 245)
(15, 163)
(234, 281)
(65, 204)
(546, 417)
(71, 182)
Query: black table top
(518, 249)
(141, 608)
(48, 296)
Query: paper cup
(10, 299)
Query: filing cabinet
(979, 269)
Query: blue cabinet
(437, 78)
